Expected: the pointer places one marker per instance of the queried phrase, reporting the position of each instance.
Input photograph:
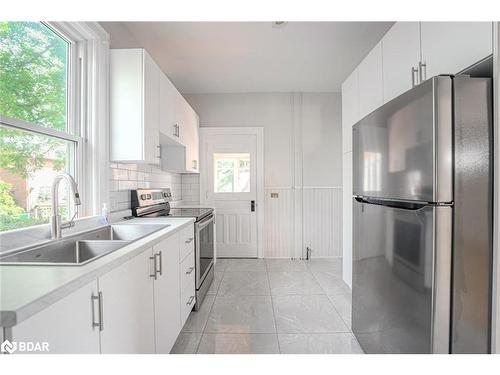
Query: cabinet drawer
(187, 242)
(188, 296)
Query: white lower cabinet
(128, 308)
(188, 281)
(138, 307)
(167, 294)
(66, 325)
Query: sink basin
(81, 248)
(123, 232)
(64, 253)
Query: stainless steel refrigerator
(422, 220)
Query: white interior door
(230, 183)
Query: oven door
(204, 248)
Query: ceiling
(223, 57)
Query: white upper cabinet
(450, 47)
(350, 109)
(371, 94)
(135, 89)
(401, 55)
(168, 95)
(179, 152)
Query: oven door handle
(204, 223)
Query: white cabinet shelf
(135, 106)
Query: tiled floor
(272, 306)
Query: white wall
(302, 142)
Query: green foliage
(32, 88)
(11, 215)
(8, 206)
(33, 77)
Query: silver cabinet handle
(190, 269)
(422, 69)
(414, 72)
(99, 300)
(195, 164)
(175, 130)
(190, 301)
(189, 240)
(160, 267)
(159, 152)
(153, 258)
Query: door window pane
(33, 74)
(28, 164)
(232, 173)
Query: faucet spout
(55, 220)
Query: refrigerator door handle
(404, 205)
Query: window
(38, 140)
(232, 173)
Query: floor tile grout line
(340, 315)
(209, 312)
(333, 305)
(272, 309)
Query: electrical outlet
(274, 195)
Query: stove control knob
(143, 197)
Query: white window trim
(92, 43)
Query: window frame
(87, 111)
(73, 126)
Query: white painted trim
(259, 133)
(495, 303)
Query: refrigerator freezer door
(472, 255)
(403, 150)
(401, 278)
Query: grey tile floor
(258, 306)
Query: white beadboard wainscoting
(279, 223)
(322, 220)
(319, 227)
(126, 177)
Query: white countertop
(26, 290)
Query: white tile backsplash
(191, 188)
(125, 177)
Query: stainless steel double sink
(82, 248)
